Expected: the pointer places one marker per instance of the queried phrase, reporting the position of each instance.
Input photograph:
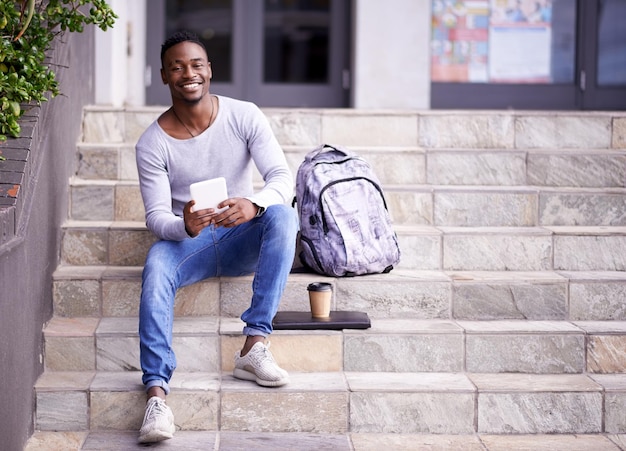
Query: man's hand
(239, 210)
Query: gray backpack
(345, 227)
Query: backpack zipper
(334, 182)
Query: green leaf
(24, 42)
(15, 108)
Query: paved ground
(247, 441)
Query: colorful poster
(460, 31)
(491, 41)
(520, 41)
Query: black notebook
(337, 320)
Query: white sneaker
(158, 422)
(258, 365)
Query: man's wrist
(188, 232)
(260, 211)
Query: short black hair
(177, 38)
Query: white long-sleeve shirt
(239, 137)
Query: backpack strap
(327, 148)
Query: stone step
(96, 161)
(592, 168)
(305, 441)
(486, 130)
(570, 248)
(114, 291)
(208, 344)
(466, 206)
(343, 403)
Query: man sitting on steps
(203, 136)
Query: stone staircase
(503, 327)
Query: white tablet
(208, 194)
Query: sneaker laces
(155, 408)
(265, 354)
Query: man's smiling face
(187, 71)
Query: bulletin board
(491, 41)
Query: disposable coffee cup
(320, 296)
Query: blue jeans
(264, 246)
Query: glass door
(298, 53)
(603, 58)
(276, 53)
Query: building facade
(419, 54)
